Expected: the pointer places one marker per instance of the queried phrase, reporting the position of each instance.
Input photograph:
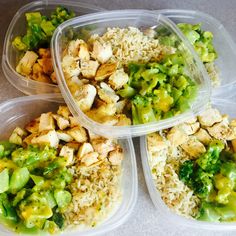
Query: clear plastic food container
(19, 111)
(224, 45)
(165, 213)
(98, 23)
(17, 27)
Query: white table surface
(144, 220)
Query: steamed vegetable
(40, 29)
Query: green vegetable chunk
(19, 179)
(63, 198)
(4, 181)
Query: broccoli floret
(186, 172)
(60, 15)
(142, 111)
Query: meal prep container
(19, 111)
(222, 41)
(97, 23)
(18, 27)
(165, 213)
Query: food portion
(127, 77)
(202, 42)
(35, 62)
(56, 175)
(193, 166)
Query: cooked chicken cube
(37, 69)
(203, 136)
(107, 94)
(84, 52)
(116, 156)
(101, 52)
(70, 66)
(46, 122)
(123, 120)
(78, 134)
(29, 138)
(193, 147)
(209, 117)
(109, 120)
(21, 132)
(73, 121)
(93, 135)
(156, 143)
(85, 148)
(64, 111)
(68, 153)
(90, 158)
(46, 64)
(41, 77)
(33, 126)
(191, 120)
(221, 131)
(89, 68)
(62, 122)
(103, 146)
(64, 136)
(47, 138)
(120, 106)
(105, 70)
(118, 79)
(44, 52)
(85, 96)
(15, 138)
(177, 136)
(189, 128)
(75, 145)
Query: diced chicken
(64, 111)
(64, 136)
(118, 79)
(26, 63)
(177, 136)
(33, 126)
(210, 117)
(21, 132)
(85, 96)
(37, 69)
(193, 147)
(101, 52)
(75, 145)
(70, 66)
(46, 122)
(156, 143)
(233, 123)
(89, 68)
(109, 120)
(103, 146)
(68, 153)
(123, 120)
(221, 131)
(105, 70)
(84, 149)
(45, 52)
(90, 158)
(84, 52)
(28, 139)
(62, 122)
(120, 106)
(47, 138)
(15, 138)
(73, 121)
(78, 134)
(93, 135)
(46, 64)
(116, 156)
(189, 128)
(191, 120)
(234, 145)
(107, 94)
(203, 136)
(41, 77)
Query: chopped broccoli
(186, 172)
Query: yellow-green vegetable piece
(4, 180)
(63, 198)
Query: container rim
(8, 70)
(133, 130)
(114, 221)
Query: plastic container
(19, 111)
(18, 27)
(166, 215)
(97, 23)
(223, 43)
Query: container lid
(97, 23)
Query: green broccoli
(186, 172)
